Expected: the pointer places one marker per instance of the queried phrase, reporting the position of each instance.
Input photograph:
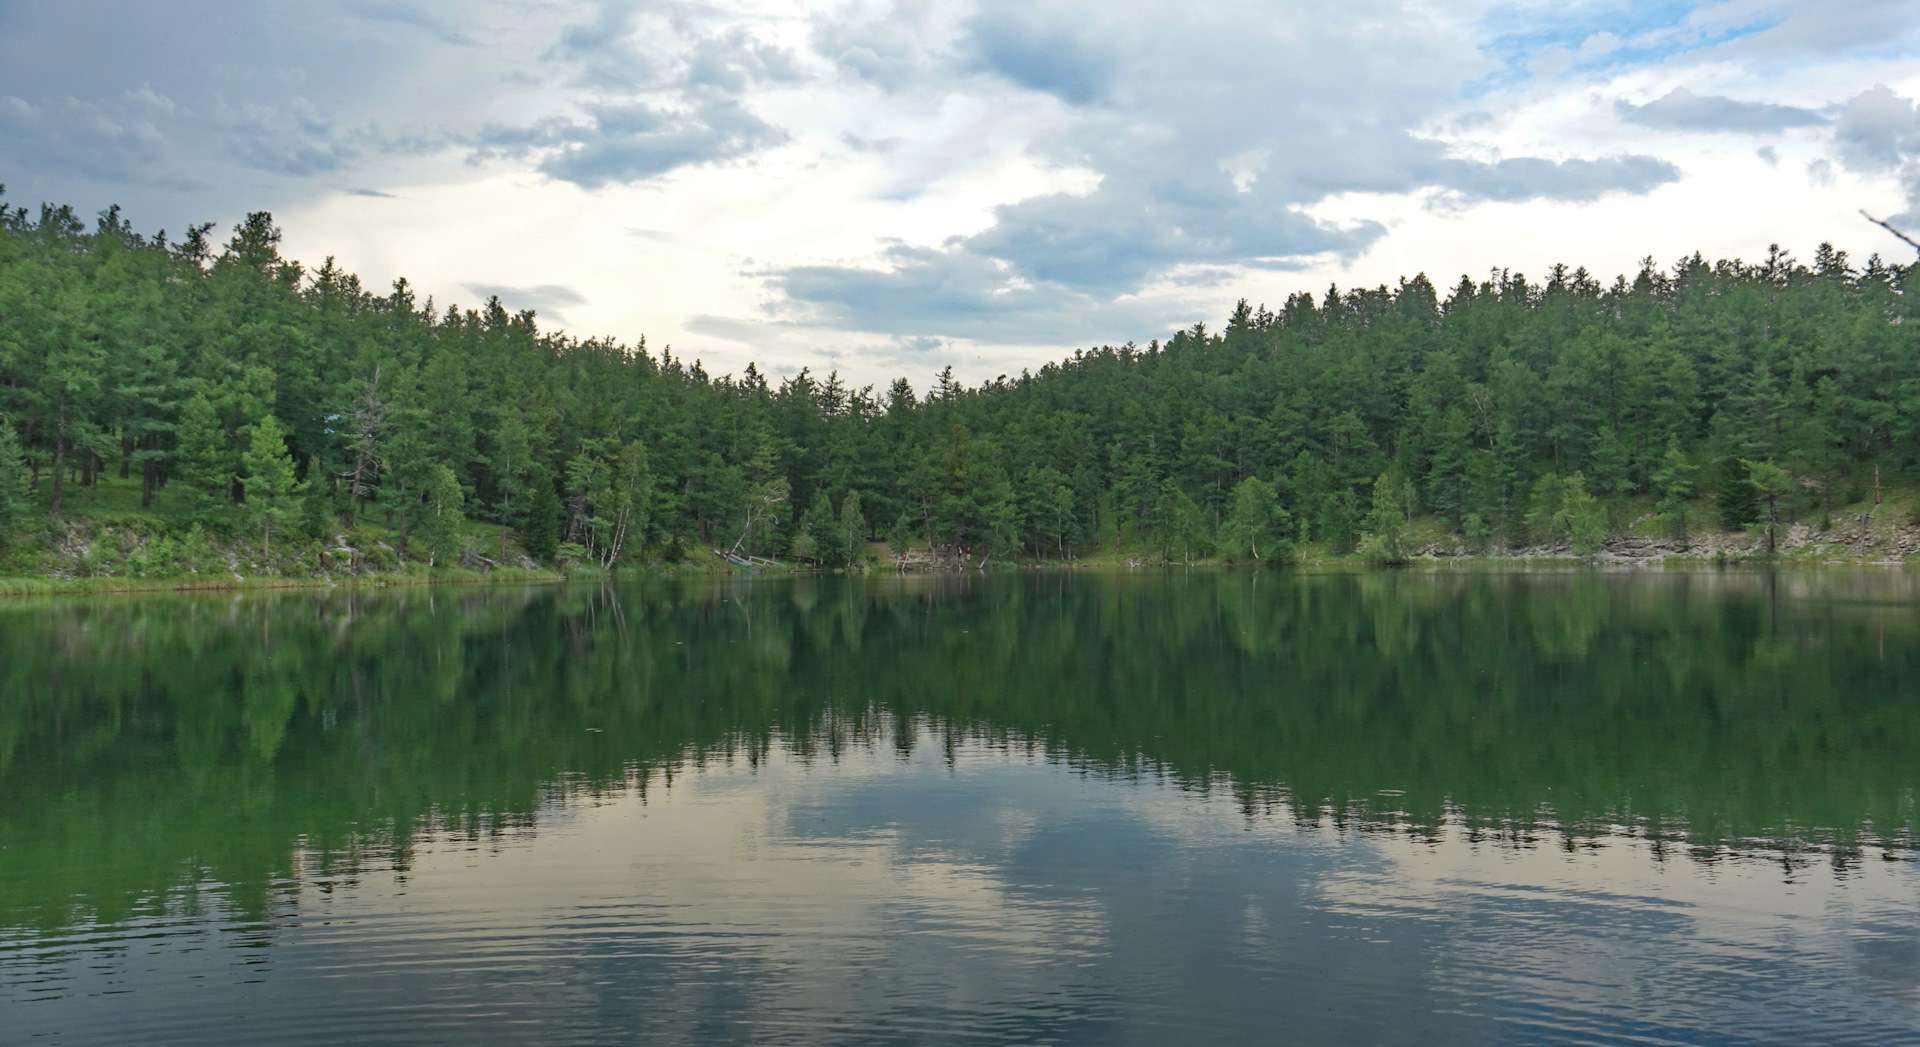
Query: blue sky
(892, 187)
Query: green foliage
(443, 531)
(15, 504)
(204, 463)
(1478, 533)
(118, 350)
(1384, 532)
(1255, 521)
(1737, 500)
(1673, 481)
(1580, 517)
(1563, 510)
(1181, 524)
(901, 537)
(1543, 508)
(540, 534)
(853, 527)
(1774, 489)
(271, 485)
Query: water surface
(1212, 807)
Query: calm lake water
(1382, 808)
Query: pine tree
(1579, 516)
(1738, 501)
(816, 539)
(15, 506)
(853, 527)
(900, 537)
(1384, 532)
(317, 517)
(271, 484)
(203, 463)
(541, 531)
(1673, 480)
(1775, 487)
(443, 529)
(1254, 521)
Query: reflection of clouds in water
(881, 897)
(1556, 938)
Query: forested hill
(255, 399)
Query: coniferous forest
(195, 395)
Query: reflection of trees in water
(158, 742)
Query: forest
(227, 395)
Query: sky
(886, 189)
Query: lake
(1065, 807)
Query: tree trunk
(126, 456)
(147, 469)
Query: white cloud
(881, 184)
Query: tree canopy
(1511, 410)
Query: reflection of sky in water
(883, 898)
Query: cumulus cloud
(117, 141)
(1879, 130)
(1879, 133)
(1209, 135)
(1682, 110)
(671, 93)
(631, 142)
(1050, 57)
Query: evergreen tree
(1674, 482)
(1481, 403)
(271, 484)
(15, 502)
(541, 531)
(853, 527)
(443, 530)
(1774, 487)
(905, 533)
(1579, 516)
(317, 515)
(1384, 532)
(204, 464)
(1253, 522)
(1738, 500)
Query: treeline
(251, 397)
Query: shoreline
(30, 586)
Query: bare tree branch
(1888, 226)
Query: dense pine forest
(226, 395)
